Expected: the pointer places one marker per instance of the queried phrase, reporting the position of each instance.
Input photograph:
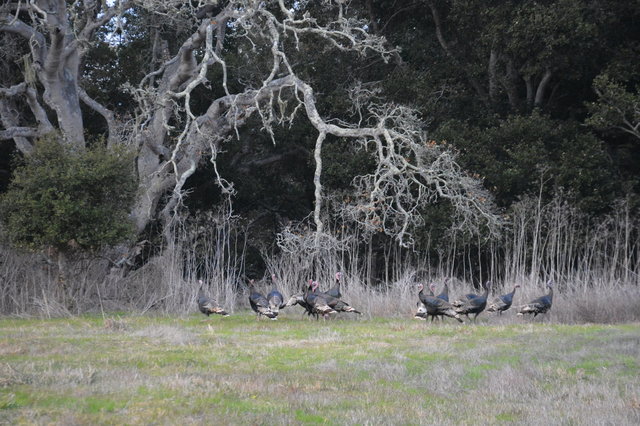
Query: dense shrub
(69, 199)
(518, 154)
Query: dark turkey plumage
(336, 304)
(298, 299)
(259, 303)
(432, 293)
(444, 294)
(436, 306)
(473, 305)
(464, 299)
(333, 297)
(335, 290)
(317, 301)
(540, 305)
(502, 302)
(275, 298)
(208, 305)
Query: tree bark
(528, 81)
(477, 86)
(542, 88)
(57, 59)
(511, 86)
(493, 77)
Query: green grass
(236, 370)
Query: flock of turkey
(324, 303)
(433, 306)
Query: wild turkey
(298, 299)
(275, 298)
(316, 301)
(436, 306)
(540, 305)
(502, 302)
(475, 304)
(259, 303)
(208, 305)
(426, 314)
(444, 294)
(464, 299)
(335, 290)
(335, 303)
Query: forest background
(478, 140)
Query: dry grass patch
(292, 371)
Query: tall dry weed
(595, 266)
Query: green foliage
(516, 154)
(342, 161)
(617, 106)
(547, 34)
(68, 200)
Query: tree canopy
(387, 113)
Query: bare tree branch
(9, 120)
(173, 138)
(36, 40)
(542, 87)
(19, 132)
(106, 113)
(10, 116)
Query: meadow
(95, 369)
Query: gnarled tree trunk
(171, 139)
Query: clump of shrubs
(69, 199)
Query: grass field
(236, 370)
